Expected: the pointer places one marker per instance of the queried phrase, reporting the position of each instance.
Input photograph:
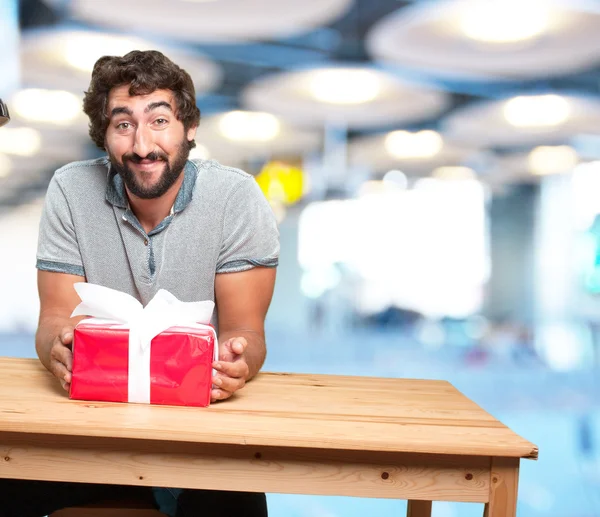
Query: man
(147, 218)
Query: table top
(274, 409)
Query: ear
(191, 133)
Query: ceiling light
(344, 86)
(55, 106)
(420, 145)
(454, 173)
(81, 50)
(504, 21)
(546, 160)
(22, 141)
(5, 166)
(537, 111)
(249, 126)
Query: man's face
(146, 143)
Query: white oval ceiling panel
(349, 96)
(235, 137)
(211, 21)
(416, 154)
(486, 39)
(531, 167)
(524, 121)
(52, 147)
(64, 59)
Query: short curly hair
(144, 72)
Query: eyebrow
(158, 104)
(119, 110)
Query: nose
(142, 145)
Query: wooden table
(306, 434)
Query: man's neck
(150, 212)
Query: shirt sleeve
(58, 249)
(250, 234)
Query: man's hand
(54, 336)
(231, 369)
(61, 357)
(242, 301)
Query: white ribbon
(107, 306)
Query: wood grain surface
(244, 467)
(503, 488)
(275, 409)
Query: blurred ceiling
(433, 67)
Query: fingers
(238, 345)
(217, 394)
(236, 369)
(230, 378)
(66, 336)
(231, 384)
(223, 394)
(61, 358)
(63, 375)
(230, 349)
(232, 369)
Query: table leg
(503, 488)
(419, 509)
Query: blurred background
(435, 170)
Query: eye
(161, 121)
(123, 125)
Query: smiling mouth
(146, 164)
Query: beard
(168, 176)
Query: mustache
(135, 158)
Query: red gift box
(180, 365)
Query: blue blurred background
(435, 170)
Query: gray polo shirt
(220, 223)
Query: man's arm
(242, 301)
(54, 335)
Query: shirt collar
(116, 195)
